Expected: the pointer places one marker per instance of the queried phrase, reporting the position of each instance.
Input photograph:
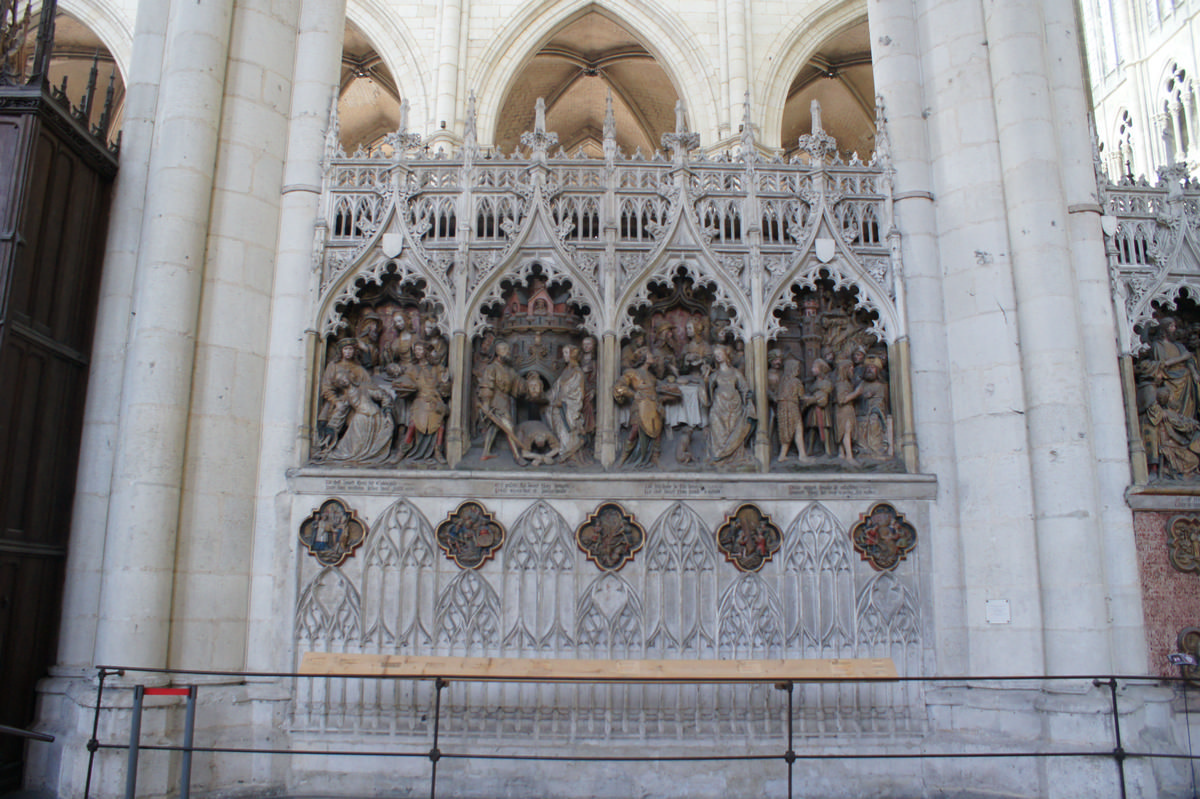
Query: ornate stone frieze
(701, 256)
(332, 532)
(883, 537)
(470, 535)
(538, 596)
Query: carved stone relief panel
(538, 596)
(333, 532)
(683, 396)
(883, 537)
(1167, 389)
(748, 538)
(470, 535)
(829, 381)
(610, 537)
(1184, 543)
(533, 373)
(385, 382)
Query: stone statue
(1176, 368)
(499, 386)
(354, 424)
(587, 362)
(367, 339)
(873, 412)
(1176, 437)
(816, 410)
(430, 383)
(435, 342)
(845, 421)
(639, 385)
(564, 410)
(731, 414)
(788, 424)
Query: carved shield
(826, 249)
(392, 244)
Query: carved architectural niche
(1184, 543)
(748, 538)
(829, 380)
(883, 537)
(683, 395)
(385, 380)
(333, 532)
(610, 537)
(533, 371)
(1167, 390)
(470, 535)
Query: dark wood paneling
(56, 209)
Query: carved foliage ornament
(332, 532)
(883, 537)
(1183, 539)
(748, 538)
(610, 537)
(470, 535)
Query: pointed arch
(658, 29)
(399, 50)
(113, 27)
(798, 40)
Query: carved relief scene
(829, 383)
(1167, 386)
(683, 396)
(385, 384)
(533, 381)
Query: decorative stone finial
(610, 128)
(819, 145)
(470, 137)
(681, 141)
(402, 140)
(749, 151)
(540, 140)
(333, 134)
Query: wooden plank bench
(595, 671)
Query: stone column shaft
(448, 57)
(896, 54)
(1109, 430)
(89, 517)
(286, 395)
(148, 472)
(1057, 416)
(739, 60)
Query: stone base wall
(1171, 598)
(963, 718)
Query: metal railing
(787, 753)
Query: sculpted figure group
(383, 395)
(682, 379)
(1168, 386)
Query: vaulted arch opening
(368, 97)
(574, 72)
(839, 77)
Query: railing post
(435, 754)
(189, 730)
(135, 737)
(790, 754)
(1119, 750)
(93, 744)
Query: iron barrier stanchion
(790, 754)
(93, 744)
(135, 738)
(189, 730)
(435, 754)
(1119, 750)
